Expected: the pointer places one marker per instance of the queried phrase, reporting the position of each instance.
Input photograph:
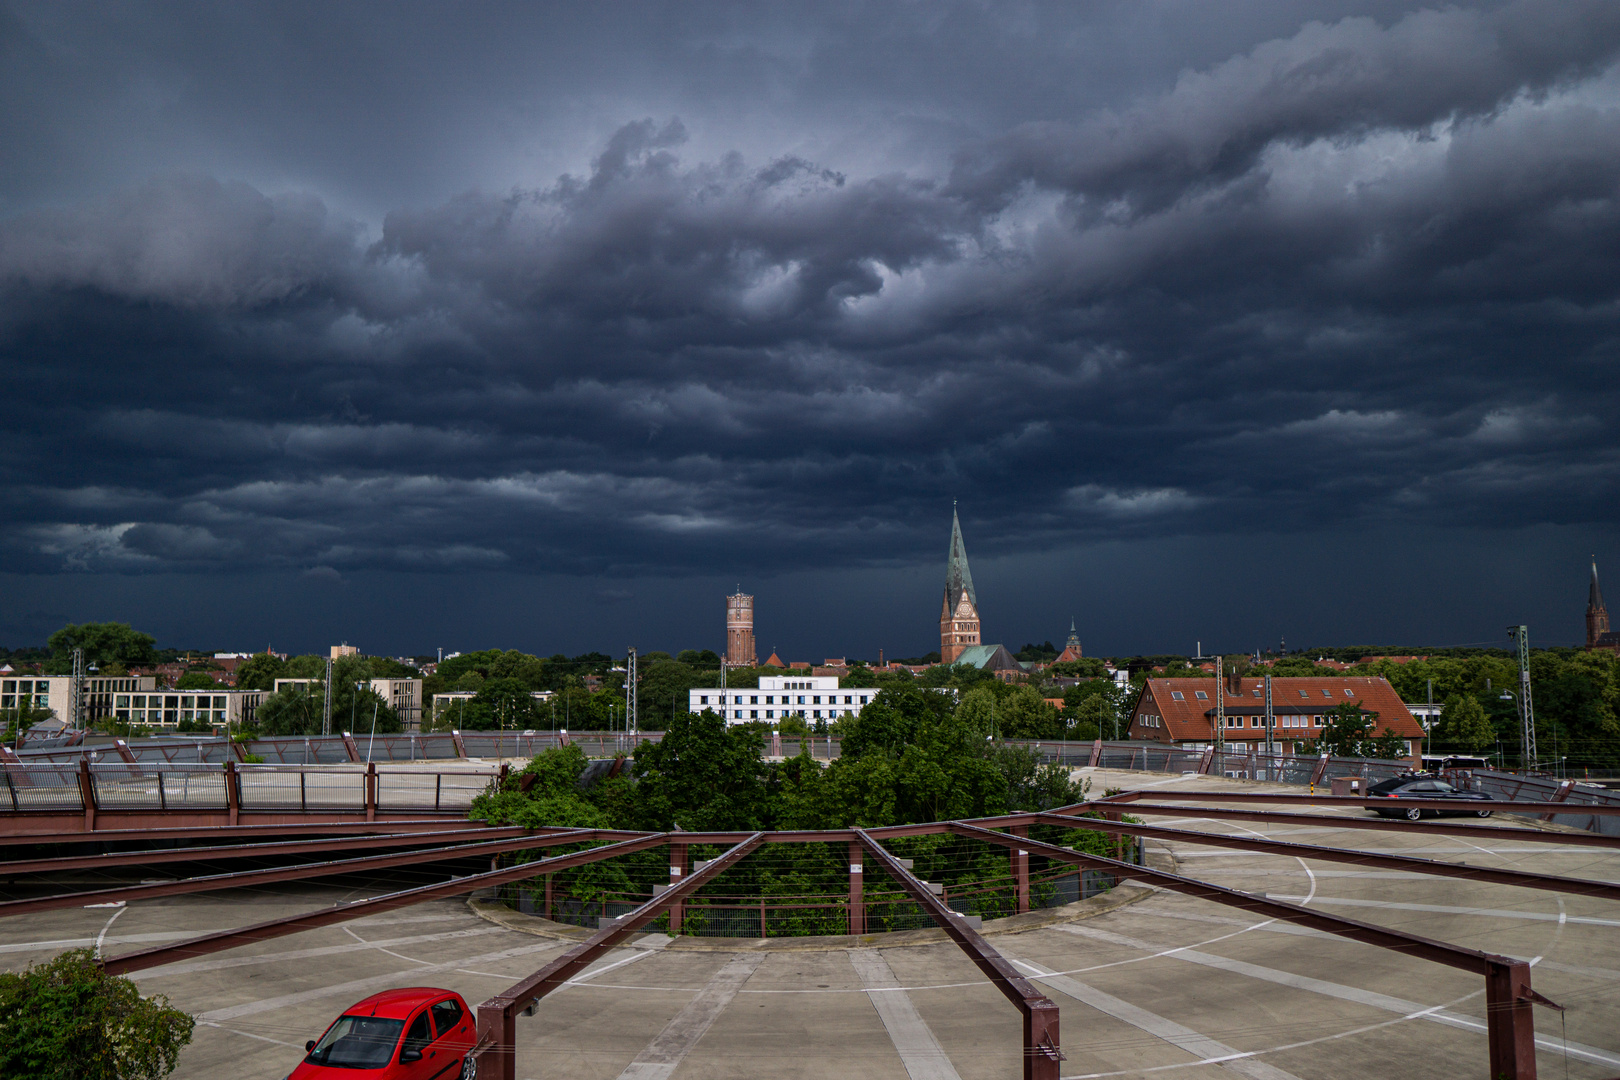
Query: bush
(67, 1019)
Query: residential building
(340, 651)
(812, 697)
(1183, 711)
(740, 630)
(959, 613)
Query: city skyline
(508, 324)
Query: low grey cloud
(1363, 257)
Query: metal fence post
(233, 795)
(371, 791)
(1041, 1054)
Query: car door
(453, 1028)
(418, 1038)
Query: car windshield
(358, 1042)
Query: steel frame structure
(1509, 994)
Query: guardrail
(132, 786)
(338, 749)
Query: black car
(1424, 787)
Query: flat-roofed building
(1183, 711)
(811, 697)
(55, 692)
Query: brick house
(1182, 711)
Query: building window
(1201, 695)
(817, 714)
(1256, 722)
(754, 700)
(1302, 693)
(704, 700)
(754, 714)
(1348, 692)
(1178, 695)
(863, 699)
(1329, 693)
(816, 700)
(801, 699)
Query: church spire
(958, 578)
(1594, 595)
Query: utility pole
(326, 711)
(1527, 716)
(76, 690)
(1220, 704)
(630, 694)
(1270, 719)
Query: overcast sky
(463, 325)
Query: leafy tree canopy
(67, 1019)
(103, 644)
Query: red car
(418, 1033)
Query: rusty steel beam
(1283, 817)
(240, 879)
(1042, 1049)
(47, 827)
(1515, 806)
(496, 1049)
(296, 924)
(248, 851)
(1426, 948)
(1607, 890)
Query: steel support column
(857, 888)
(679, 865)
(1510, 1026)
(233, 793)
(1019, 858)
(87, 794)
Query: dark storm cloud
(1358, 271)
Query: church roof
(774, 661)
(958, 579)
(1594, 595)
(990, 658)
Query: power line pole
(1270, 719)
(1527, 716)
(76, 690)
(1220, 704)
(326, 712)
(630, 694)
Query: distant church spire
(959, 614)
(958, 578)
(1597, 616)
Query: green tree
(504, 704)
(103, 644)
(260, 672)
(703, 775)
(67, 1019)
(1464, 724)
(195, 680)
(296, 710)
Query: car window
(1441, 785)
(358, 1042)
(446, 1015)
(420, 1034)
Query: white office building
(812, 697)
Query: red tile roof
(1185, 719)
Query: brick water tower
(740, 630)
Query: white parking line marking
(670, 1048)
(913, 1040)
(1201, 1046)
(1435, 1014)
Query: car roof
(396, 1004)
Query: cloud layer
(1357, 272)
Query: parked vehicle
(1416, 786)
(418, 1033)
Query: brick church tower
(1597, 617)
(959, 615)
